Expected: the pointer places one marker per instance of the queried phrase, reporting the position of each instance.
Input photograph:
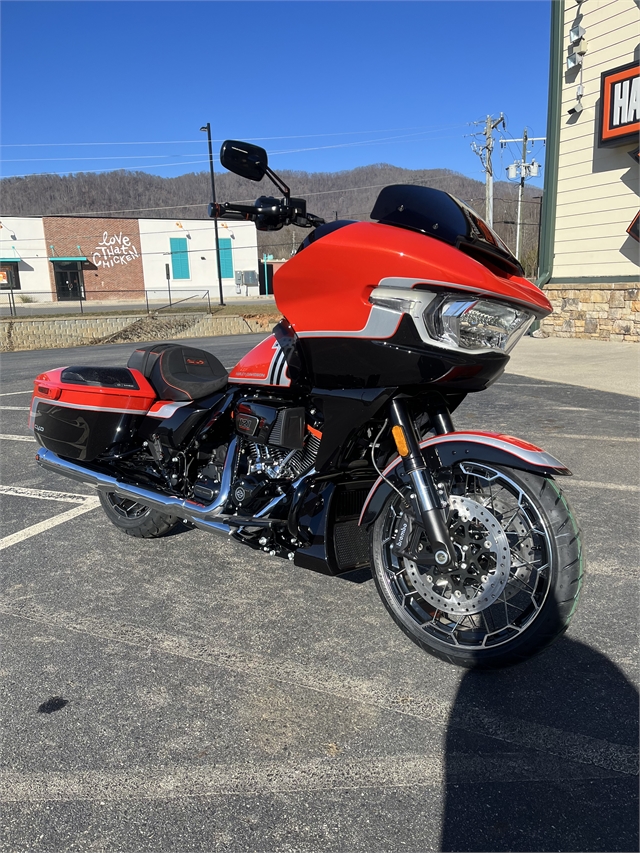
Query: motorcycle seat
(179, 373)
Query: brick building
(62, 258)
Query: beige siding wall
(597, 187)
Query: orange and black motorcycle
(332, 443)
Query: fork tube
(425, 498)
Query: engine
(276, 445)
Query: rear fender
(443, 451)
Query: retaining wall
(609, 312)
(27, 334)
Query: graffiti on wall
(113, 250)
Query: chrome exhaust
(202, 515)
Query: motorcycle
(332, 442)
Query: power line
(249, 139)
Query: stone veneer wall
(608, 312)
(26, 334)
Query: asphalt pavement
(190, 694)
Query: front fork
(426, 503)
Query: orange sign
(620, 104)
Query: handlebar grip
(236, 212)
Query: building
(589, 249)
(57, 258)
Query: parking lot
(215, 698)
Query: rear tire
(136, 519)
(519, 577)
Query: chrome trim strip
(167, 409)
(66, 405)
(454, 286)
(382, 323)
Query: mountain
(332, 195)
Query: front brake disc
(482, 570)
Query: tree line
(346, 194)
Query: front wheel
(136, 519)
(516, 582)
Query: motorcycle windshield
(439, 214)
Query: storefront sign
(620, 105)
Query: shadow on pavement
(552, 763)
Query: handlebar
(269, 214)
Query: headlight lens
(475, 323)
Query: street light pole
(207, 128)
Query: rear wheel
(516, 582)
(136, 519)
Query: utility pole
(207, 129)
(526, 170)
(484, 152)
(523, 171)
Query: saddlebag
(80, 412)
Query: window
(226, 258)
(179, 258)
(9, 276)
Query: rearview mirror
(242, 158)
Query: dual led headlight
(468, 323)
(474, 323)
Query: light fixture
(573, 60)
(576, 34)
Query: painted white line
(17, 438)
(14, 408)
(591, 437)
(12, 393)
(616, 487)
(335, 773)
(43, 494)
(35, 529)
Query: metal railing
(30, 303)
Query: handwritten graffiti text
(117, 249)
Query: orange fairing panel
(326, 286)
(263, 365)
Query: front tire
(516, 583)
(136, 519)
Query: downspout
(550, 194)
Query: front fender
(443, 451)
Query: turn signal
(400, 440)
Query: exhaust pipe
(202, 515)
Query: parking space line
(17, 438)
(616, 487)
(43, 494)
(14, 408)
(261, 778)
(13, 393)
(591, 437)
(86, 506)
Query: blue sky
(324, 86)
